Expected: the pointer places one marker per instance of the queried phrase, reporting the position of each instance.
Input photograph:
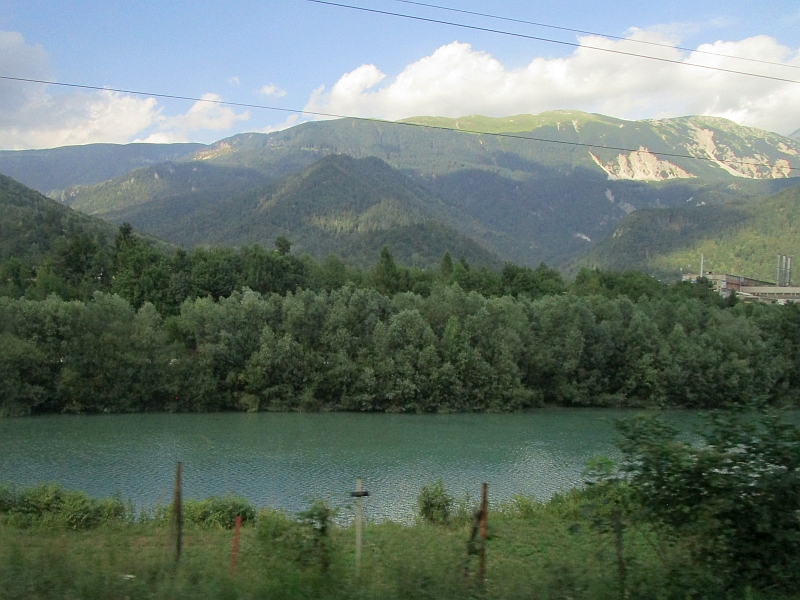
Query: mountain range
(58, 168)
(548, 188)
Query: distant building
(749, 290)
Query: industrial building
(753, 290)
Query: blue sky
(279, 52)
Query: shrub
(736, 497)
(304, 541)
(49, 503)
(523, 506)
(434, 503)
(218, 511)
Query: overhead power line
(551, 41)
(605, 35)
(516, 136)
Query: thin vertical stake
(177, 513)
(619, 531)
(484, 511)
(359, 489)
(235, 547)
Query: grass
(556, 550)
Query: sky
(304, 56)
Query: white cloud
(272, 90)
(31, 117)
(204, 115)
(290, 121)
(457, 80)
(40, 116)
(234, 81)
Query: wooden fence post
(358, 495)
(235, 547)
(484, 511)
(177, 514)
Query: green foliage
(357, 349)
(547, 550)
(542, 281)
(51, 504)
(434, 504)
(282, 245)
(126, 327)
(736, 495)
(217, 511)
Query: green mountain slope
(185, 186)
(795, 135)
(338, 205)
(532, 201)
(739, 238)
(59, 168)
(32, 225)
(436, 151)
(526, 200)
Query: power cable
(549, 40)
(386, 122)
(606, 35)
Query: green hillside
(186, 186)
(59, 168)
(32, 225)
(526, 201)
(338, 205)
(740, 238)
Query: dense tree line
(132, 266)
(252, 329)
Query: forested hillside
(60, 168)
(37, 233)
(90, 325)
(740, 238)
(339, 205)
(526, 200)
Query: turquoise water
(287, 460)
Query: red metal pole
(235, 547)
(484, 511)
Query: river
(287, 460)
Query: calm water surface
(286, 460)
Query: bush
(304, 541)
(49, 503)
(216, 511)
(735, 498)
(434, 503)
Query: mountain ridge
(527, 200)
(55, 169)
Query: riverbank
(565, 548)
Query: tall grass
(552, 550)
